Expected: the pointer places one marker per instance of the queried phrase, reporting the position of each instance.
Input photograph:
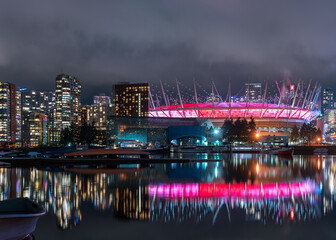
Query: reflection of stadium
(279, 202)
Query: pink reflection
(222, 190)
(176, 190)
(206, 190)
(295, 189)
(191, 190)
(235, 190)
(254, 191)
(270, 190)
(238, 190)
(283, 189)
(152, 190)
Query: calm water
(245, 196)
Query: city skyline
(146, 42)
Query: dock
(108, 162)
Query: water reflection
(242, 188)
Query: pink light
(270, 190)
(191, 190)
(283, 190)
(306, 187)
(235, 190)
(206, 189)
(238, 190)
(152, 190)
(163, 190)
(295, 189)
(253, 190)
(176, 190)
(222, 190)
(223, 109)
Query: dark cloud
(103, 42)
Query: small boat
(285, 152)
(18, 218)
(281, 152)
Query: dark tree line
(308, 133)
(86, 134)
(240, 130)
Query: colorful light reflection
(233, 190)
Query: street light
(257, 135)
(216, 131)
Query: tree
(252, 128)
(308, 132)
(295, 135)
(75, 131)
(228, 130)
(66, 137)
(88, 134)
(241, 128)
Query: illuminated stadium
(271, 118)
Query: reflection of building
(132, 203)
(131, 99)
(8, 115)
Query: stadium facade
(293, 108)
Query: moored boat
(285, 152)
(281, 151)
(18, 218)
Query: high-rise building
(96, 116)
(86, 115)
(327, 99)
(101, 99)
(99, 110)
(131, 99)
(18, 119)
(34, 129)
(329, 124)
(68, 101)
(36, 102)
(7, 113)
(253, 92)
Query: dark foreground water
(245, 196)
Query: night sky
(104, 42)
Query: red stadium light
(223, 110)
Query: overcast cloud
(104, 42)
